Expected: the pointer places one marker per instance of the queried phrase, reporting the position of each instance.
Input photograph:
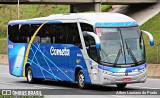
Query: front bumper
(117, 78)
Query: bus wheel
(81, 80)
(121, 85)
(29, 74)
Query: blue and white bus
(87, 48)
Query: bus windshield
(121, 46)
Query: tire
(30, 78)
(121, 85)
(81, 80)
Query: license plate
(126, 79)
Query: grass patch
(106, 8)
(33, 11)
(153, 26)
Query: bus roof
(96, 19)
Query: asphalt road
(8, 81)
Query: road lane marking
(27, 86)
(43, 87)
(153, 79)
(4, 65)
(117, 96)
(4, 73)
(143, 87)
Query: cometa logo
(59, 52)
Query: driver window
(91, 47)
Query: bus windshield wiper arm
(117, 57)
(131, 54)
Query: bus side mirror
(150, 37)
(97, 39)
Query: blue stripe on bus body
(37, 62)
(125, 70)
(116, 24)
(53, 63)
(44, 69)
(55, 77)
(45, 60)
(34, 58)
(34, 53)
(21, 22)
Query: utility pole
(18, 10)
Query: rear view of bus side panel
(16, 51)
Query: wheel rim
(81, 80)
(29, 75)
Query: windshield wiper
(131, 54)
(117, 57)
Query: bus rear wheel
(81, 80)
(121, 85)
(29, 74)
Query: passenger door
(92, 62)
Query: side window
(24, 33)
(91, 47)
(66, 33)
(54, 33)
(89, 41)
(13, 33)
(37, 39)
(86, 27)
(60, 33)
(50, 33)
(45, 37)
(19, 33)
(73, 35)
